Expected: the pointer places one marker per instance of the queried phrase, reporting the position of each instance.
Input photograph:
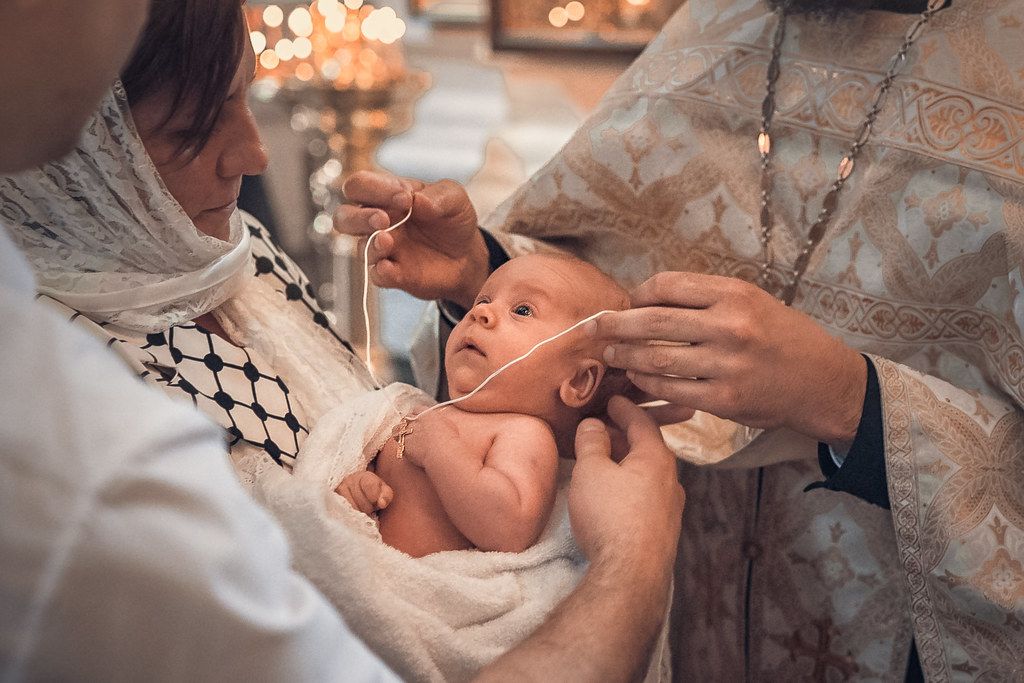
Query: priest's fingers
(388, 274)
(660, 323)
(381, 246)
(620, 446)
(383, 260)
(383, 190)
(669, 414)
(629, 510)
(445, 199)
(690, 290)
(373, 254)
(359, 221)
(664, 359)
(715, 397)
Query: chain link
(787, 292)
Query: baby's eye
(481, 300)
(523, 310)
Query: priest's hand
(437, 254)
(726, 347)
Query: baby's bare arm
(502, 501)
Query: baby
(482, 473)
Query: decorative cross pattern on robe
(820, 652)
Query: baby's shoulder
(523, 430)
(525, 423)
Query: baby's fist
(366, 492)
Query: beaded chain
(787, 291)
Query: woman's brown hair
(189, 49)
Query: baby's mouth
(470, 346)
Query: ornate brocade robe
(920, 269)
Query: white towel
(437, 618)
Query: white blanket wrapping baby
(437, 618)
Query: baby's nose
(482, 314)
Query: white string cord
(506, 366)
(366, 290)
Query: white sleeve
(128, 551)
(171, 578)
(837, 457)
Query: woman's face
(207, 184)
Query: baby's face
(527, 300)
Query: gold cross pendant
(401, 431)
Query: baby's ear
(578, 390)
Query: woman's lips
(225, 208)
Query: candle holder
(339, 69)
(616, 26)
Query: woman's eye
(523, 310)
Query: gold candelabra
(339, 67)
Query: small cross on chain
(401, 431)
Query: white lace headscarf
(106, 238)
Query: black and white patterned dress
(234, 386)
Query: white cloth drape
(106, 238)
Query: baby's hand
(366, 492)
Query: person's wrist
(647, 564)
(648, 549)
(839, 424)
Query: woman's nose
(243, 153)
(483, 314)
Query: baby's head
(527, 300)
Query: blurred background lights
(323, 224)
(383, 25)
(302, 47)
(335, 21)
(574, 11)
(259, 41)
(284, 49)
(330, 69)
(269, 60)
(558, 17)
(300, 21)
(350, 32)
(273, 16)
(340, 44)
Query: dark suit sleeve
(862, 473)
